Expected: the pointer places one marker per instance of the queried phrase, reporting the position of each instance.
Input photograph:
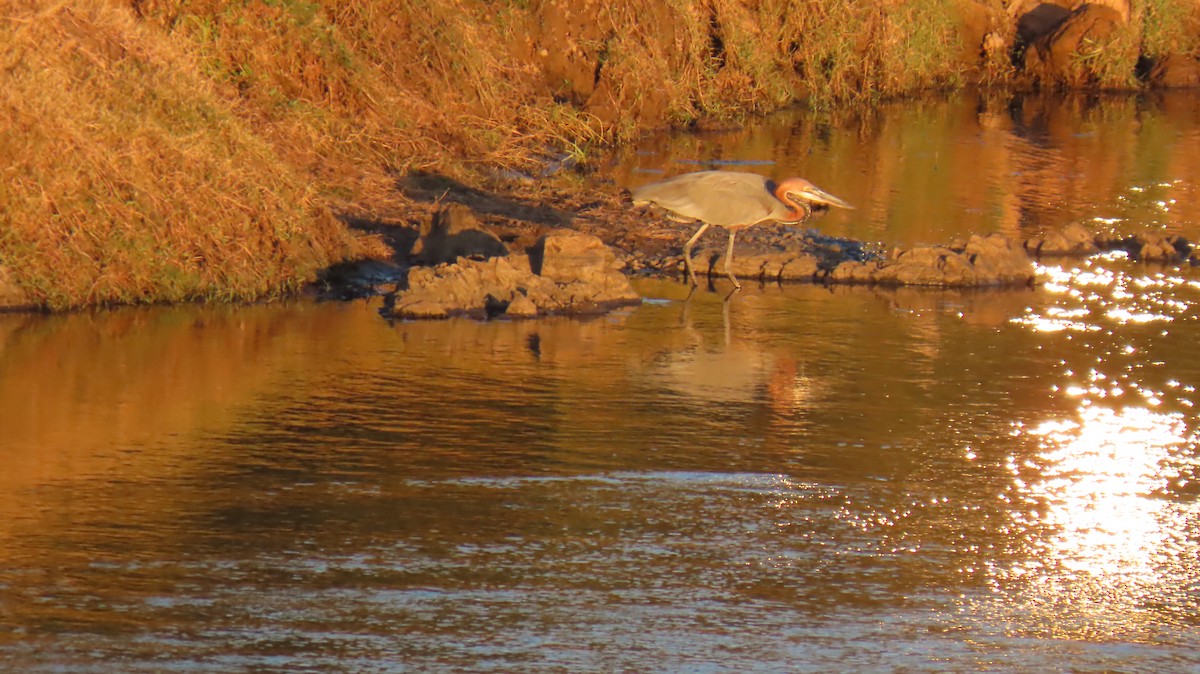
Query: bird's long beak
(817, 195)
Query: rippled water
(801, 479)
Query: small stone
(521, 307)
(853, 271)
(1074, 239)
(421, 309)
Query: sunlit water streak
(1099, 500)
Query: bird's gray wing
(723, 198)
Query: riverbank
(161, 152)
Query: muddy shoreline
(462, 243)
(449, 227)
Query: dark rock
(1174, 71)
(1074, 239)
(1054, 58)
(981, 261)
(358, 278)
(1040, 21)
(1156, 247)
(1182, 245)
(454, 232)
(566, 272)
(1148, 246)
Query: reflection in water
(800, 479)
(729, 369)
(78, 391)
(1112, 555)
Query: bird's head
(804, 197)
(801, 192)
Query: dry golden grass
(1168, 27)
(126, 179)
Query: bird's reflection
(721, 367)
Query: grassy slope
(126, 178)
(165, 150)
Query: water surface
(801, 479)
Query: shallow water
(801, 479)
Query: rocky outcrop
(772, 255)
(566, 272)
(1173, 71)
(1074, 239)
(1062, 54)
(1150, 246)
(761, 265)
(455, 232)
(981, 261)
(1162, 248)
(996, 260)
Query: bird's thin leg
(687, 253)
(729, 261)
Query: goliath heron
(735, 201)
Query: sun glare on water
(1109, 541)
(1095, 496)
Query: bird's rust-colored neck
(799, 211)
